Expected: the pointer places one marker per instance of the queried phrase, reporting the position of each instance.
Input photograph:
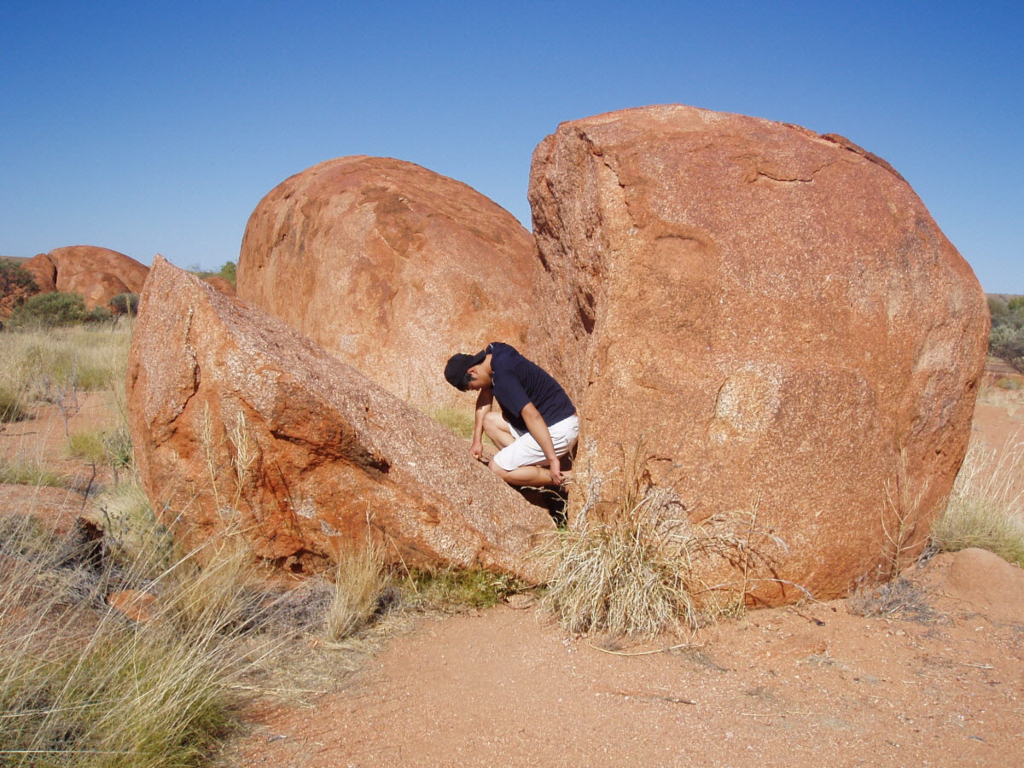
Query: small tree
(1007, 343)
(16, 285)
(228, 272)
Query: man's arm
(483, 406)
(539, 429)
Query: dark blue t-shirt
(517, 381)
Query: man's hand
(556, 472)
(476, 450)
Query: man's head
(468, 371)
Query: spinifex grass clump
(81, 685)
(626, 575)
(986, 508)
(631, 569)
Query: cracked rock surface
(240, 423)
(776, 319)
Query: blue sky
(157, 126)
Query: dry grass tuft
(359, 584)
(631, 572)
(986, 508)
(81, 685)
(898, 599)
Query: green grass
(459, 421)
(39, 365)
(11, 407)
(29, 473)
(455, 589)
(88, 445)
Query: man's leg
(531, 474)
(496, 428)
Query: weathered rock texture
(237, 418)
(222, 284)
(98, 274)
(776, 315)
(391, 268)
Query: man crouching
(537, 424)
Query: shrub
(15, 279)
(228, 272)
(98, 315)
(1007, 343)
(49, 310)
(125, 304)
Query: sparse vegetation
(29, 473)
(1007, 337)
(630, 571)
(125, 304)
(55, 309)
(359, 583)
(899, 599)
(458, 420)
(986, 508)
(455, 589)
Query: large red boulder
(776, 319)
(98, 274)
(391, 268)
(239, 422)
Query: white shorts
(526, 451)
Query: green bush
(50, 310)
(14, 278)
(125, 304)
(1007, 337)
(227, 272)
(1007, 343)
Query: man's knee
(493, 420)
(493, 465)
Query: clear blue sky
(151, 126)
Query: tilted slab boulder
(98, 274)
(775, 318)
(392, 268)
(238, 420)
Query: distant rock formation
(238, 420)
(98, 274)
(391, 268)
(776, 319)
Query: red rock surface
(98, 274)
(391, 268)
(223, 285)
(779, 320)
(236, 418)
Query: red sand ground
(802, 686)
